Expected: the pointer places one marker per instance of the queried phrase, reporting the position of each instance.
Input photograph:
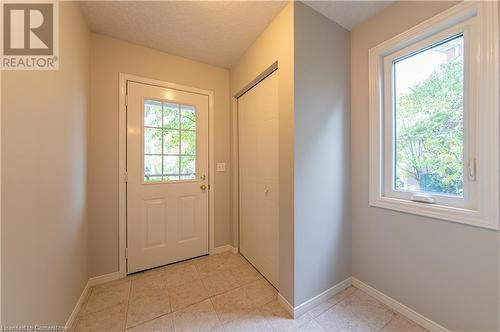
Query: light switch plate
(221, 167)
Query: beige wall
(109, 57)
(445, 271)
(276, 44)
(44, 228)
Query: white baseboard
(72, 318)
(90, 283)
(104, 278)
(293, 311)
(388, 301)
(302, 308)
(320, 298)
(221, 249)
(399, 307)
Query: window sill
(453, 214)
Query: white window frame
(468, 201)
(478, 21)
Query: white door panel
(258, 176)
(167, 163)
(154, 217)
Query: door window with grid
(169, 141)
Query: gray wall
(44, 227)
(443, 270)
(322, 154)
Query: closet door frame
(235, 150)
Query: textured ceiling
(213, 32)
(348, 13)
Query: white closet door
(258, 176)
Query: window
(425, 110)
(169, 141)
(428, 120)
(434, 116)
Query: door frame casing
(122, 151)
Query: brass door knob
(203, 187)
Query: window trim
(479, 22)
(468, 200)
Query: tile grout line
(357, 289)
(216, 314)
(144, 275)
(148, 320)
(334, 304)
(173, 320)
(390, 320)
(128, 304)
(153, 318)
(213, 296)
(329, 308)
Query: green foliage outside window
(175, 128)
(429, 132)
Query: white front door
(258, 176)
(167, 170)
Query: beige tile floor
(222, 293)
